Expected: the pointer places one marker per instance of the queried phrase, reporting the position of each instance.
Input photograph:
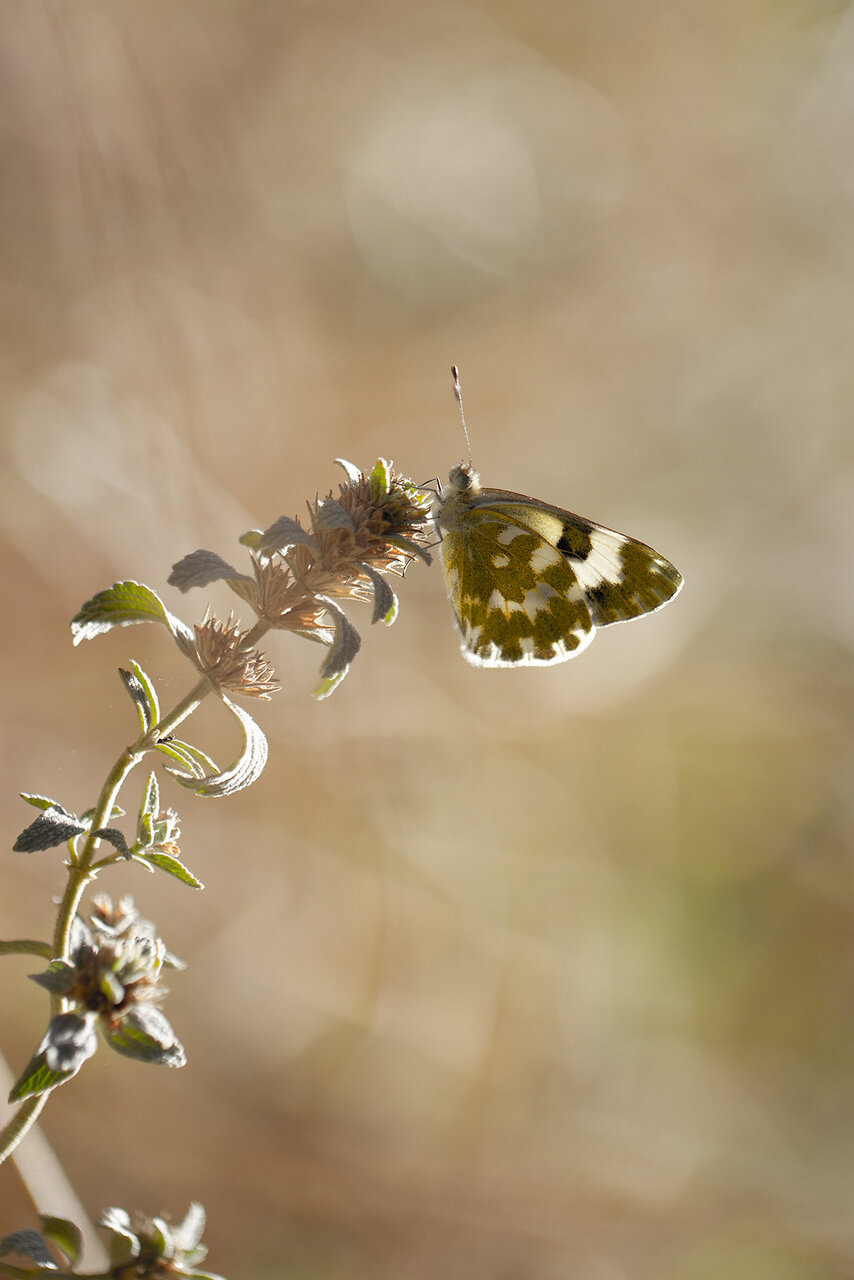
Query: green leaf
(64, 1234)
(69, 1040)
(145, 1033)
(122, 605)
(329, 685)
(194, 760)
(142, 691)
(381, 477)
(29, 1244)
(40, 802)
(246, 769)
(124, 1243)
(167, 863)
(148, 811)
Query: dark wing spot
(574, 541)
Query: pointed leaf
(385, 601)
(354, 474)
(114, 837)
(64, 1234)
(40, 802)
(346, 644)
(141, 689)
(188, 1233)
(122, 605)
(328, 686)
(29, 1244)
(70, 1039)
(59, 978)
(171, 865)
(194, 760)
(148, 811)
(381, 477)
(144, 1033)
(53, 827)
(329, 514)
(283, 533)
(246, 769)
(410, 547)
(200, 568)
(124, 1243)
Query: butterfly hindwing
(529, 582)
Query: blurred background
(527, 975)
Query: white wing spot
(500, 561)
(496, 600)
(604, 562)
(506, 536)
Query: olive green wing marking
(620, 577)
(516, 597)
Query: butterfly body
(529, 583)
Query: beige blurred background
(498, 975)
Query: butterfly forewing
(529, 582)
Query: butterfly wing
(529, 583)
(515, 597)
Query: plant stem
(21, 1122)
(26, 947)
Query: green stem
(26, 947)
(79, 875)
(20, 1124)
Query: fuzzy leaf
(381, 477)
(144, 1033)
(386, 604)
(194, 760)
(53, 827)
(346, 644)
(64, 1234)
(40, 802)
(329, 514)
(142, 692)
(124, 1243)
(29, 1244)
(58, 978)
(283, 533)
(410, 547)
(246, 769)
(354, 474)
(167, 863)
(148, 811)
(114, 837)
(200, 568)
(70, 1039)
(122, 605)
(328, 686)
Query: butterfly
(529, 583)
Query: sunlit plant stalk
(104, 973)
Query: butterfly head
(463, 481)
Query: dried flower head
(379, 522)
(230, 662)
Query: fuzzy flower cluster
(110, 983)
(379, 522)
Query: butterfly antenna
(458, 392)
